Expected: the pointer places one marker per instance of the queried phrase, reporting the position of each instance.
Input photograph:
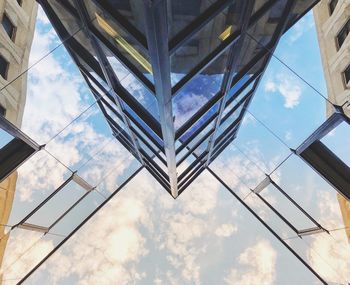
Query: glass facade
(172, 83)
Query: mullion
(218, 51)
(193, 177)
(155, 165)
(220, 94)
(155, 152)
(199, 114)
(75, 47)
(192, 165)
(182, 37)
(193, 171)
(131, 67)
(159, 178)
(106, 68)
(268, 227)
(190, 151)
(242, 101)
(122, 21)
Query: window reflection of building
(332, 21)
(16, 35)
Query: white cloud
(329, 255)
(287, 87)
(300, 28)
(187, 107)
(260, 263)
(226, 230)
(288, 135)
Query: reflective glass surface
(258, 200)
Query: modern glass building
(196, 65)
(173, 82)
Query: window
(19, 2)
(4, 66)
(332, 4)
(346, 75)
(8, 26)
(343, 34)
(2, 111)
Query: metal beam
(329, 166)
(157, 39)
(233, 59)
(108, 72)
(208, 15)
(276, 235)
(98, 208)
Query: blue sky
(143, 236)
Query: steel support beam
(80, 225)
(157, 39)
(108, 72)
(261, 220)
(234, 57)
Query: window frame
(331, 11)
(13, 33)
(343, 74)
(2, 111)
(346, 24)
(5, 75)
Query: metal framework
(162, 147)
(226, 43)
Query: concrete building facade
(332, 18)
(17, 23)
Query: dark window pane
(2, 111)
(343, 34)
(332, 5)
(3, 67)
(347, 75)
(8, 26)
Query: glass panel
(5, 138)
(62, 78)
(197, 92)
(286, 208)
(142, 123)
(24, 249)
(338, 141)
(204, 42)
(229, 121)
(237, 171)
(237, 86)
(78, 213)
(184, 12)
(129, 10)
(120, 38)
(259, 145)
(81, 138)
(311, 192)
(134, 86)
(57, 205)
(33, 181)
(285, 103)
(197, 125)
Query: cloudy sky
(143, 236)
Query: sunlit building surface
(333, 25)
(16, 35)
(128, 98)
